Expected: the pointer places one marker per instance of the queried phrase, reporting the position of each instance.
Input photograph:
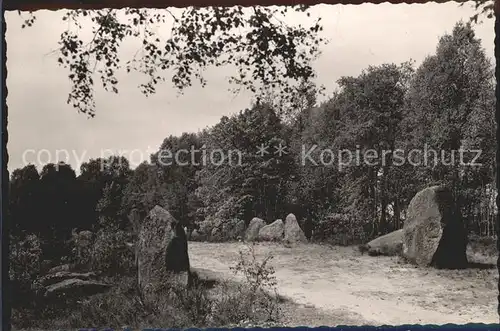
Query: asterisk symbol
(280, 149)
(262, 150)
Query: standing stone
(293, 232)
(253, 229)
(162, 251)
(434, 233)
(272, 232)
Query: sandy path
(378, 291)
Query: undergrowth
(229, 304)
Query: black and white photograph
(252, 166)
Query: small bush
(340, 229)
(25, 265)
(111, 254)
(105, 252)
(486, 246)
(221, 230)
(81, 244)
(237, 305)
(258, 292)
(25, 258)
(117, 308)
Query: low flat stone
(390, 244)
(76, 288)
(62, 267)
(63, 275)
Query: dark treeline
(446, 104)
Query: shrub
(112, 252)
(258, 292)
(117, 308)
(218, 221)
(221, 230)
(25, 265)
(486, 246)
(81, 248)
(25, 258)
(340, 229)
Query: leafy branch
(266, 52)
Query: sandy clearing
(369, 290)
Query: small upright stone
(253, 229)
(293, 232)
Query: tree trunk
(374, 202)
(383, 215)
(397, 214)
(383, 201)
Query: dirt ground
(339, 286)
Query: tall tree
(247, 183)
(60, 208)
(451, 91)
(371, 107)
(95, 176)
(177, 160)
(24, 200)
(144, 190)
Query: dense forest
(446, 103)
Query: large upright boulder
(253, 229)
(433, 232)
(272, 232)
(293, 232)
(162, 251)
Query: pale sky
(39, 118)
